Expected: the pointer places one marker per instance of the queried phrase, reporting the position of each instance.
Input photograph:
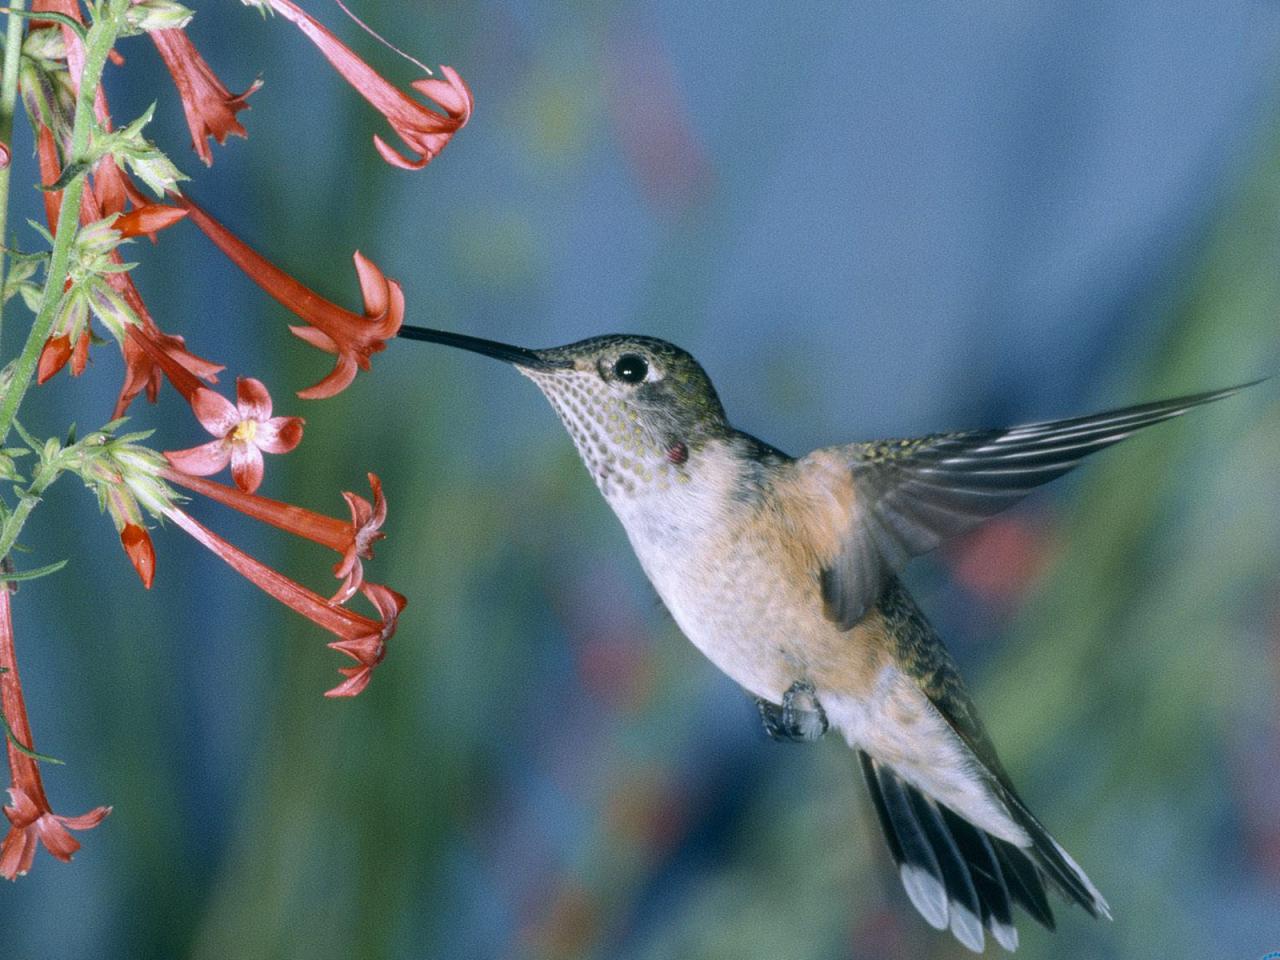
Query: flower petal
(17, 852)
(56, 838)
(351, 572)
(86, 821)
(215, 412)
(335, 381)
(252, 399)
(357, 679)
(246, 466)
(24, 810)
(279, 434)
(202, 460)
(317, 338)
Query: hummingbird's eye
(631, 368)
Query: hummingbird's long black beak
(490, 348)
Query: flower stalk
(99, 42)
(91, 172)
(8, 104)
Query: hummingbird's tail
(959, 876)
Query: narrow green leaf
(71, 23)
(22, 747)
(17, 575)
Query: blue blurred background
(866, 220)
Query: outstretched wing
(913, 494)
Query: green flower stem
(8, 104)
(101, 38)
(48, 472)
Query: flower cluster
(105, 185)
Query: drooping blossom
(369, 649)
(32, 823)
(31, 819)
(243, 432)
(366, 524)
(360, 638)
(354, 539)
(353, 337)
(426, 131)
(209, 106)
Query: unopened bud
(149, 15)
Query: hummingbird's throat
(622, 453)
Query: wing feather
(914, 494)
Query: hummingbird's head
(634, 406)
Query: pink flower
(366, 526)
(32, 824)
(244, 431)
(209, 106)
(31, 821)
(353, 540)
(368, 649)
(353, 337)
(423, 129)
(360, 638)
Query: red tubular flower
(354, 338)
(244, 430)
(353, 540)
(209, 106)
(423, 129)
(31, 820)
(53, 357)
(362, 639)
(141, 552)
(141, 369)
(147, 219)
(50, 169)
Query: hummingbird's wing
(910, 495)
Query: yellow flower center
(245, 431)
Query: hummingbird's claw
(800, 719)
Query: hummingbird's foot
(799, 719)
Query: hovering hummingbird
(783, 572)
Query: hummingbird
(784, 572)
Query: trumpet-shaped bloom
(354, 338)
(33, 823)
(243, 431)
(426, 131)
(209, 106)
(31, 820)
(360, 638)
(353, 540)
